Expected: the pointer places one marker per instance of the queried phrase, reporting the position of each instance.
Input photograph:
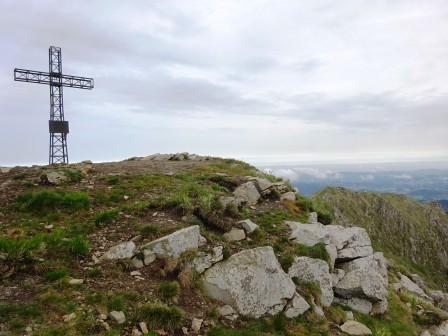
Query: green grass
(73, 175)
(56, 274)
(161, 316)
(26, 311)
(398, 320)
(168, 290)
(317, 251)
(57, 244)
(106, 217)
(45, 201)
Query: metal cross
(58, 127)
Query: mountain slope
(397, 224)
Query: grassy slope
(408, 231)
(49, 234)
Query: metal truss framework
(58, 127)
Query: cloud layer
(283, 80)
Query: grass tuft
(45, 201)
(161, 316)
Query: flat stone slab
(174, 244)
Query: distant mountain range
(444, 204)
(421, 183)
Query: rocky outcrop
(314, 270)
(351, 243)
(174, 244)
(251, 281)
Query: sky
(265, 81)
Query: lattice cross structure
(58, 126)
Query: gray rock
(349, 316)
(362, 306)
(227, 312)
(312, 218)
(297, 306)
(248, 225)
(55, 177)
(234, 235)
(380, 307)
(351, 242)
(318, 311)
(264, 185)
(148, 256)
(396, 287)
(288, 196)
(425, 333)
(314, 270)
(441, 330)
(5, 170)
(117, 316)
(196, 324)
(74, 281)
(121, 251)
(364, 278)
(337, 276)
(355, 328)
(440, 298)
(413, 287)
(174, 244)
(251, 281)
(247, 193)
(204, 261)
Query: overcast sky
(339, 81)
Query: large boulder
(350, 242)
(364, 278)
(308, 234)
(247, 193)
(174, 244)
(251, 281)
(317, 271)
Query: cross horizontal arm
(40, 77)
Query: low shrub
(324, 217)
(161, 316)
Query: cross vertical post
(58, 135)
(58, 126)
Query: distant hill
(398, 225)
(444, 204)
